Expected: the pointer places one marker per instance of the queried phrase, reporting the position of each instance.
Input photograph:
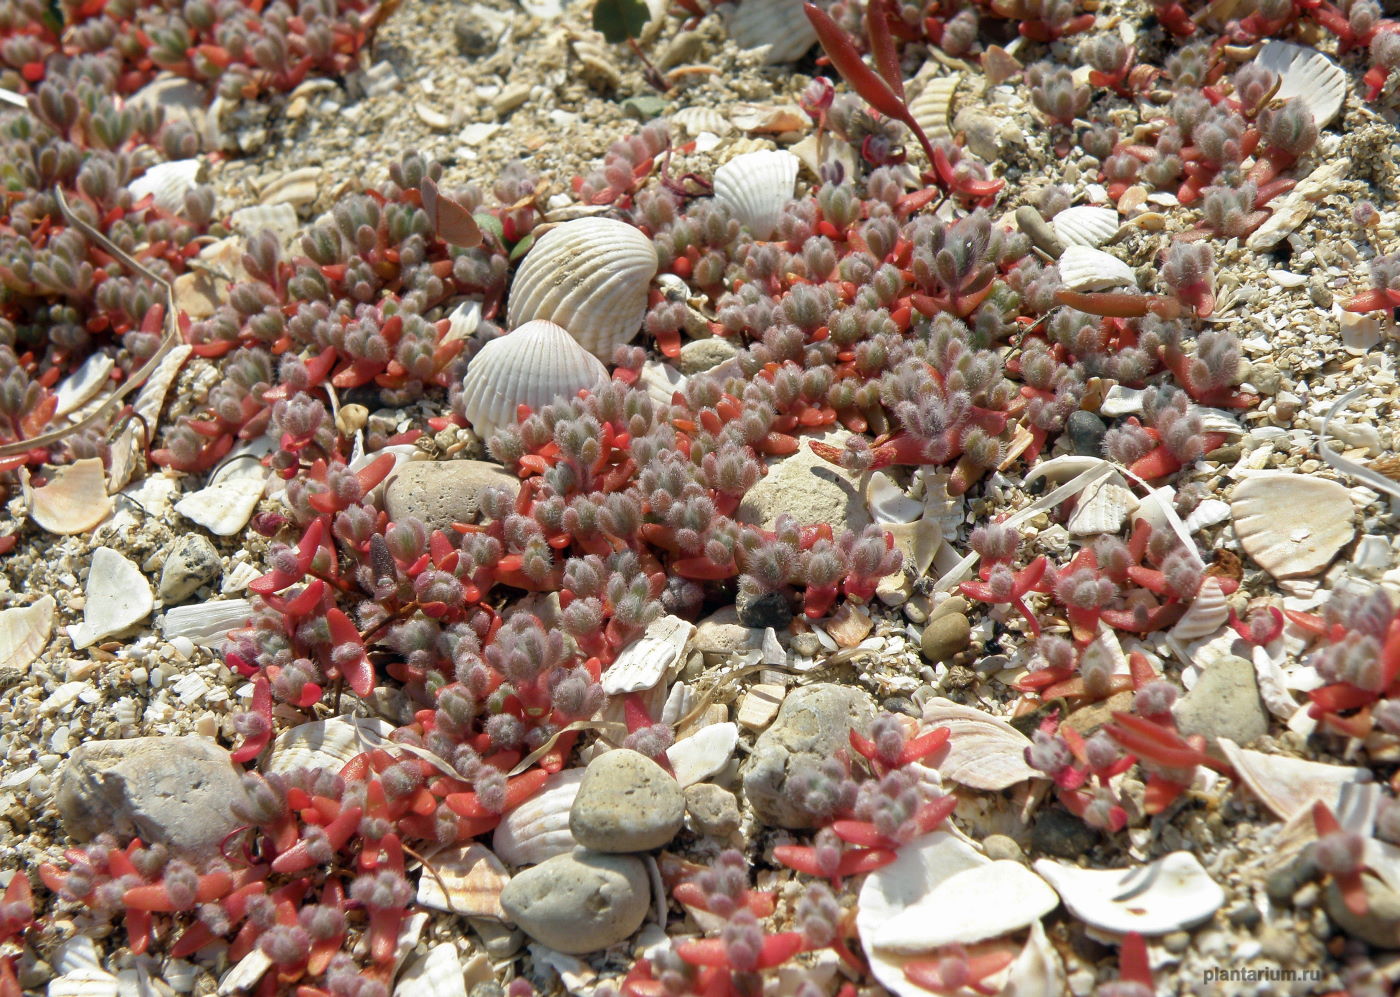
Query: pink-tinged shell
(533, 365)
(539, 828)
(469, 881)
(591, 276)
(75, 499)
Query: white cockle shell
(437, 973)
(1209, 611)
(533, 365)
(169, 182)
(1307, 74)
(1085, 225)
(933, 107)
(984, 752)
(646, 660)
(1291, 525)
(326, 744)
(1086, 269)
(1158, 898)
(538, 829)
(777, 24)
(591, 276)
(756, 186)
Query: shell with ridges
(933, 107)
(208, 623)
(75, 499)
(756, 186)
(984, 752)
(778, 24)
(437, 973)
(326, 744)
(24, 632)
(539, 828)
(645, 661)
(1085, 269)
(591, 276)
(533, 365)
(469, 881)
(1307, 74)
(1085, 225)
(1289, 786)
(1209, 611)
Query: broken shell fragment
(591, 276)
(225, 507)
(75, 499)
(1308, 75)
(464, 879)
(776, 25)
(756, 186)
(1292, 525)
(1086, 269)
(533, 365)
(118, 597)
(1173, 893)
(1288, 786)
(24, 632)
(644, 662)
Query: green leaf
(620, 20)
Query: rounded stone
(1380, 925)
(945, 636)
(700, 355)
(1003, 848)
(193, 561)
(767, 609)
(179, 791)
(1059, 833)
(1086, 432)
(626, 803)
(440, 493)
(812, 725)
(579, 902)
(713, 809)
(1224, 702)
(809, 489)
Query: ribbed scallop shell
(1307, 74)
(779, 24)
(1209, 611)
(1085, 269)
(591, 276)
(169, 182)
(1085, 225)
(933, 108)
(326, 744)
(539, 828)
(756, 186)
(532, 366)
(985, 752)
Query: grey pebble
(626, 803)
(1002, 847)
(193, 561)
(179, 791)
(441, 493)
(699, 355)
(1059, 833)
(1225, 702)
(1086, 432)
(945, 636)
(1380, 925)
(766, 609)
(713, 809)
(579, 902)
(813, 723)
(500, 941)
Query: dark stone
(1086, 432)
(771, 609)
(1059, 833)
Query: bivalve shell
(644, 662)
(533, 366)
(756, 186)
(1292, 525)
(539, 828)
(1085, 225)
(75, 499)
(702, 119)
(223, 508)
(468, 881)
(985, 752)
(326, 744)
(1102, 508)
(1173, 893)
(24, 632)
(1086, 269)
(169, 182)
(118, 597)
(437, 973)
(207, 624)
(697, 757)
(933, 107)
(76, 389)
(591, 276)
(1209, 611)
(986, 901)
(776, 24)
(1307, 74)
(91, 982)
(1288, 786)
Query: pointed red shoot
(1133, 966)
(262, 706)
(348, 653)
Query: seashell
(680, 700)
(1208, 513)
(1213, 420)
(206, 624)
(760, 705)
(1292, 525)
(778, 25)
(77, 388)
(469, 881)
(180, 974)
(149, 400)
(888, 503)
(1291, 210)
(661, 381)
(595, 60)
(702, 119)
(118, 597)
(87, 982)
(1173, 893)
(539, 828)
(1085, 269)
(437, 973)
(223, 508)
(1102, 508)
(280, 219)
(75, 499)
(933, 107)
(246, 974)
(24, 632)
(1289, 786)
(1085, 225)
(756, 186)
(410, 930)
(168, 182)
(295, 187)
(1308, 75)
(591, 276)
(644, 662)
(985, 752)
(326, 744)
(533, 365)
(78, 952)
(1038, 971)
(986, 901)
(463, 321)
(1209, 611)
(697, 757)
(1119, 400)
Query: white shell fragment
(326, 744)
(777, 25)
(1288, 786)
(533, 365)
(987, 901)
(1038, 971)
(77, 388)
(591, 276)
(1102, 508)
(984, 752)
(169, 182)
(644, 662)
(1209, 611)
(24, 632)
(87, 982)
(696, 758)
(1172, 893)
(1085, 269)
(118, 597)
(1292, 525)
(223, 508)
(1307, 74)
(75, 499)
(468, 881)
(661, 382)
(888, 503)
(206, 624)
(756, 186)
(438, 973)
(539, 828)
(1085, 225)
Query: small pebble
(193, 561)
(1001, 847)
(945, 636)
(626, 803)
(1086, 432)
(579, 902)
(766, 609)
(713, 809)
